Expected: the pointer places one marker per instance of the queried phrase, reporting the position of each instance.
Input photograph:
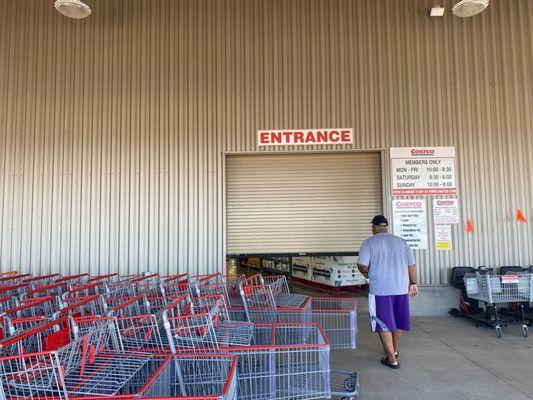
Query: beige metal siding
(112, 129)
(295, 203)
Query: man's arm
(413, 288)
(363, 269)
(363, 261)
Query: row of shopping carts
(179, 337)
(506, 296)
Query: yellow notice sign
(443, 237)
(443, 245)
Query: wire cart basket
(500, 289)
(269, 302)
(47, 362)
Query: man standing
(388, 262)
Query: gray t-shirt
(388, 258)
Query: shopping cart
(40, 307)
(45, 362)
(233, 288)
(139, 333)
(16, 326)
(194, 377)
(500, 289)
(7, 302)
(206, 331)
(149, 285)
(181, 377)
(73, 279)
(15, 290)
(82, 306)
(108, 278)
(217, 283)
(89, 289)
(210, 284)
(282, 361)
(267, 301)
(176, 285)
(125, 307)
(156, 304)
(41, 279)
(10, 279)
(34, 307)
(51, 289)
(121, 288)
(517, 310)
(269, 291)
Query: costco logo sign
(445, 202)
(408, 204)
(423, 152)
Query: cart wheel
(525, 330)
(499, 331)
(454, 312)
(349, 385)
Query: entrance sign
(423, 170)
(443, 237)
(410, 222)
(304, 137)
(445, 211)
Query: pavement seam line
(472, 361)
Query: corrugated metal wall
(113, 129)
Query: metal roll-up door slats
(292, 203)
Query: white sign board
(443, 237)
(423, 170)
(410, 222)
(445, 211)
(283, 137)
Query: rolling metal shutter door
(292, 203)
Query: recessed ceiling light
(73, 8)
(469, 8)
(437, 11)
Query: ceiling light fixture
(437, 11)
(73, 8)
(469, 8)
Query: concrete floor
(443, 358)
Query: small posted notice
(410, 222)
(445, 211)
(443, 237)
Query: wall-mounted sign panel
(410, 222)
(304, 137)
(443, 237)
(423, 170)
(445, 211)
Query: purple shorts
(389, 313)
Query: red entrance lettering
(334, 136)
(298, 137)
(310, 138)
(322, 137)
(275, 137)
(346, 136)
(264, 137)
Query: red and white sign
(304, 137)
(410, 222)
(510, 278)
(423, 170)
(445, 211)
